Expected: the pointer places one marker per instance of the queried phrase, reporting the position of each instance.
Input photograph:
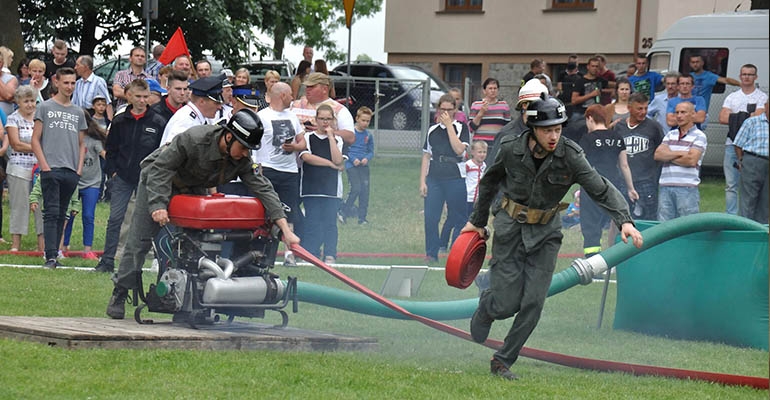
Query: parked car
(400, 85)
(258, 69)
(109, 68)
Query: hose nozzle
(587, 269)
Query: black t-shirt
(444, 163)
(51, 67)
(641, 143)
(568, 84)
(602, 149)
(585, 85)
(527, 77)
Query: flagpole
(147, 38)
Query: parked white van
(726, 41)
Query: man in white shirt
(205, 101)
(738, 101)
(277, 158)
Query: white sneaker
(60, 255)
(289, 260)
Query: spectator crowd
(71, 141)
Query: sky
(368, 37)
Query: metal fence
(401, 121)
(400, 117)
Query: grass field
(413, 362)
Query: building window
(572, 4)
(463, 5)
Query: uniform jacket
(193, 162)
(131, 140)
(514, 173)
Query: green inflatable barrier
(702, 286)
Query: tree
(10, 35)
(221, 26)
(308, 22)
(363, 57)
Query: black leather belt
(755, 155)
(449, 159)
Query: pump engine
(217, 261)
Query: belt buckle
(521, 216)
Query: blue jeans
(732, 179)
(677, 201)
(320, 226)
(286, 185)
(88, 198)
(120, 195)
(646, 208)
(359, 189)
(440, 191)
(57, 185)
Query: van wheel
(399, 120)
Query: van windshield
(659, 61)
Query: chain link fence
(404, 109)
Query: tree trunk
(279, 37)
(10, 35)
(88, 39)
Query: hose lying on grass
(580, 272)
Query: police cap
(210, 86)
(246, 96)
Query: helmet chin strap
(228, 143)
(538, 150)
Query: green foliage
(222, 27)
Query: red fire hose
(556, 358)
(465, 259)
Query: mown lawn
(413, 361)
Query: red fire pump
(217, 261)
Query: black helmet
(546, 111)
(247, 128)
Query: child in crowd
(88, 186)
(357, 167)
(572, 216)
(99, 112)
(321, 185)
(474, 169)
(36, 198)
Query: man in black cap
(199, 158)
(205, 101)
(243, 98)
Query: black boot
(480, 325)
(117, 307)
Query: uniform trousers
(519, 282)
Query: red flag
(176, 47)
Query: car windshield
(260, 69)
(411, 73)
